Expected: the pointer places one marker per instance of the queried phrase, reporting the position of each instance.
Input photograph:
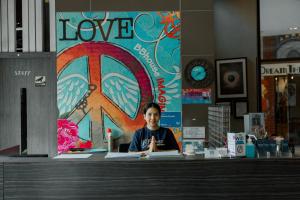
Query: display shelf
(218, 124)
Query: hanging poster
(109, 65)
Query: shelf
(218, 124)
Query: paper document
(138, 155)
(122, 155)
(63, 156)
(164, 154)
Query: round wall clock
(199, 73)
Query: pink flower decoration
(67, 135)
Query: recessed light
(293, 28)
(194, 119)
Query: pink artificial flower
(67, 135)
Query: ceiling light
(293, 28)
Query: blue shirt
(164, 137)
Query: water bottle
(109, 142)
(250, 149)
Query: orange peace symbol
(97, 102)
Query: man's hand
(152, 145)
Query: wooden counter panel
(184, 179)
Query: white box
(236, 144)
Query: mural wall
(109, 64)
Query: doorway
(28, 102)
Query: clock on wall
(199, 73)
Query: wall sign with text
(279, 69)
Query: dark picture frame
(241, 108)
(231, 78)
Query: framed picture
(231, 78)
(240, 108)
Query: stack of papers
(64, 156)
(164, 154)
(122, 155)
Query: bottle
(250, 148)
(109, 142)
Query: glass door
(294, 108)
(280, 102)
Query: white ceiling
(276, 16)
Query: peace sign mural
(110, 64)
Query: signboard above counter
(278, 69)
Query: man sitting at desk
(152, 137)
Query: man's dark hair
(151, 105)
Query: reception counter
(1, 181)
(162, 179)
